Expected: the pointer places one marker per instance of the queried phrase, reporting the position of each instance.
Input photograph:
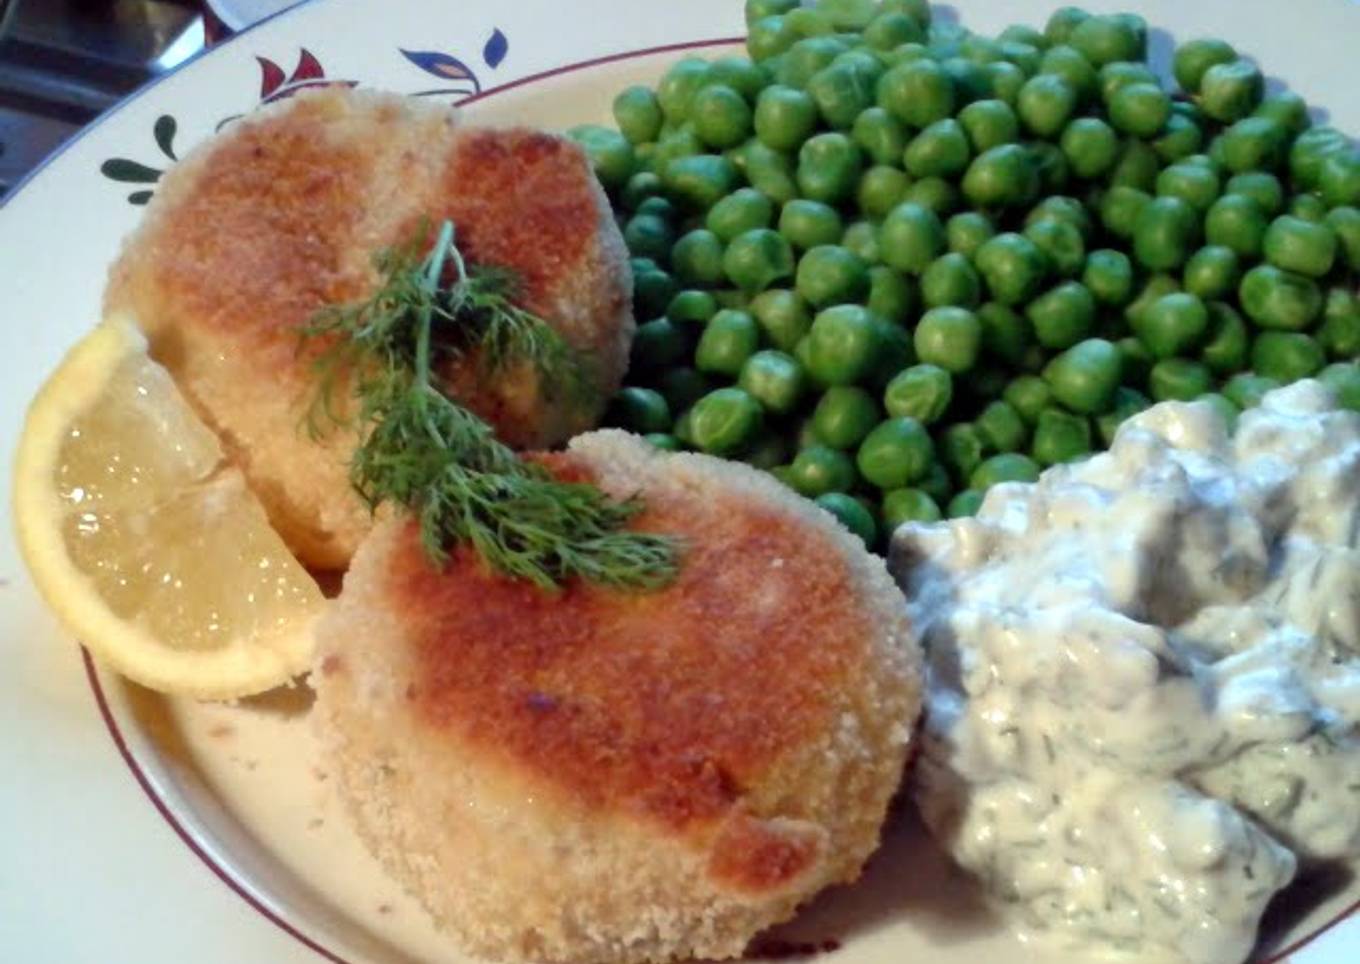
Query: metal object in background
(65, 62)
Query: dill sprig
(423, 451)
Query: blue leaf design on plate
(439, 64)
(495, 50)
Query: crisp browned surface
(282, 214)
(664, 705)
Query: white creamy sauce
(1144, 677)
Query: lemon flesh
(145, 541)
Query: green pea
(808, 224)
(1002, 429)
(1004, 81)
(1246, 389)
(1195, 57)
(1108, 275)
(648, 236)
(700, 181)
(896, 453)
(724, 421)
(910, 238)
(743, 210)
(784, 117)
(1061, 243)
(741, 74)
(844, 415)
(881, 189)
(1127, 403)
(809, 55)
(1012, 266)
(1230, 91)
(1115, 76)
(1308, 207)
(1063, 315)
(1237, 222)
(880, 135)
(949, 337)
(1166, 232)
(1345, 224)
(1009, 466)
(1279, 299)
(1137, 166)
(1006, 334)
(1020, 33)
(1050, 165)
(1090, 146)
(818, 469)
(1046, 104)
(1060, 437)
(1287, 109)
(720, 115)
(663, 441)
(1339, 181)
(830, 275)
(638, 114)
(1286, 355)
(769, 37)
(1062, 22)
(922, 392)
(1310, 152)
(951, 280)
(770, 172)
(901, 506)
(1084, 377)
(1074, 69)
(917, 93)
(971, 81)
(652, 291)
(895, 352)
(691, 307)
(965, 503)
(968, 231)
(891, 29)
(1173, 325)
(1212, 272)
(1340, 331)
(829, 165)
(728, 340)
(1153, 288)
(697, 259)
(918, 10)
(1343, 378)
(1003, 176)
(941, 150)
(1301, 246)
(861, 240)
(1180, 138)
(1262, 187)
(1028, 395)
(783, 317)
(841, 93)
(1255, 144)
(1179, 379)
(989, 123)
(610, 153)
(756, 259)
(678, 86)
(841, 345)
(851, 514)
(682, 387)
(1120, 208)
(1194, 184)
(892, 296)
(1226, 348)
(1140, 109)
(639, 410)
(961, 448)
(1103, 40)
(1135, 358)
(935, 194)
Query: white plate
(134, 828)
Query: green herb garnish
(423, 451)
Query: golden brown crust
(606, 776)
(281, 214)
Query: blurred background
(65, 62)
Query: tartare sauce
(1144, 677)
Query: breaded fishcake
(604, 776)
(282, 213)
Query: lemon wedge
(144, 540)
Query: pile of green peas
(895, 263)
